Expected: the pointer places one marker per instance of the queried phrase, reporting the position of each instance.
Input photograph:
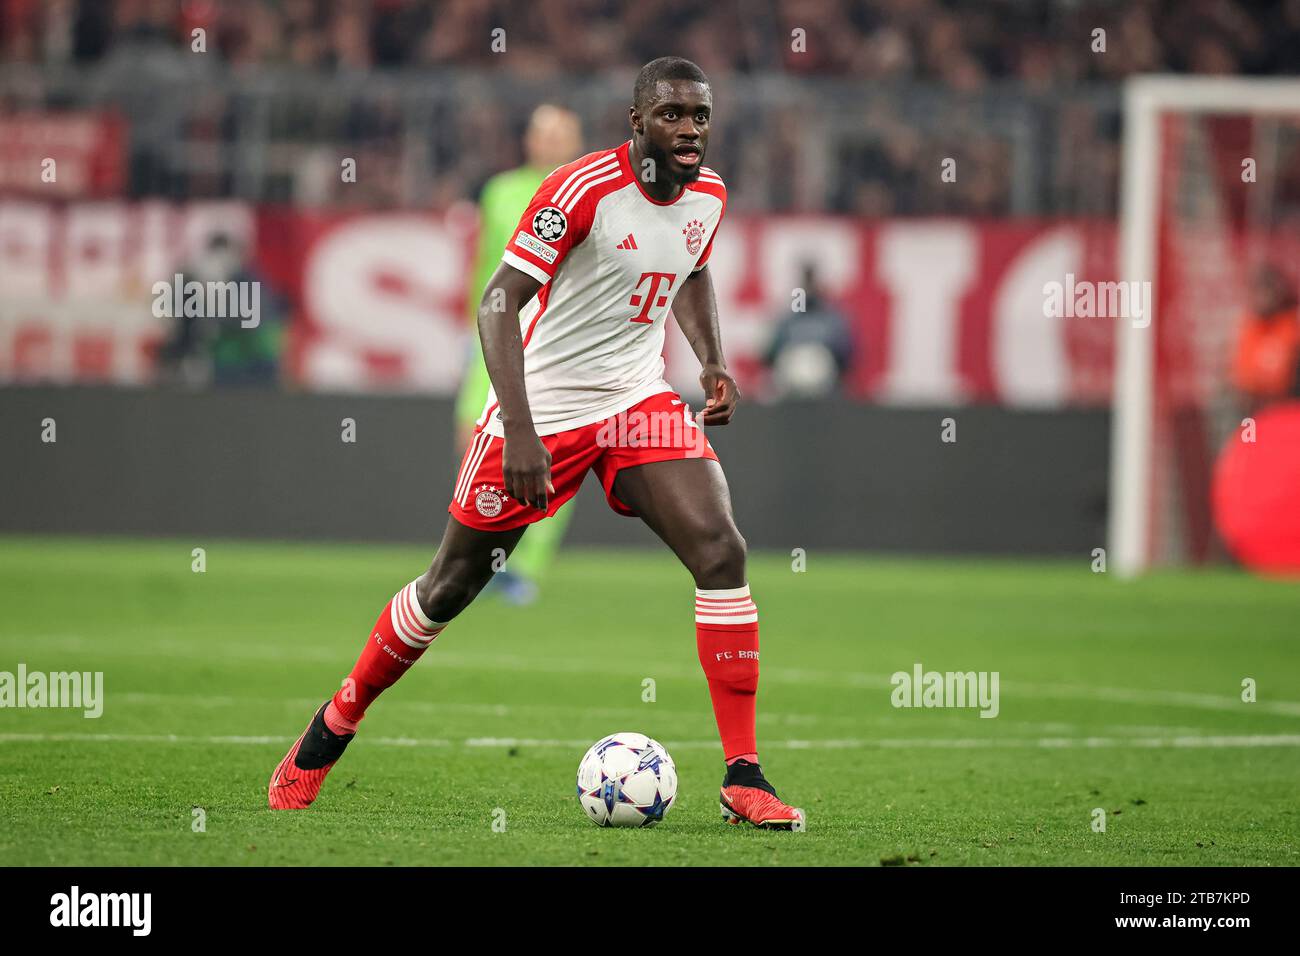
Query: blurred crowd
(1022, 94)
(961, 44)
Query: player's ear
(635, 119)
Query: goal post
(1160, 144)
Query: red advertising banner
(62, 155)
(939, 311)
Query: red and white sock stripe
(725, 606)
(410, 622)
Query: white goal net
(1210, 205)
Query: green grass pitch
(1119, 696)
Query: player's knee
(719, 559)
(444, 595)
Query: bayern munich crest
(488, 501)
(694, 233)
(549, 224)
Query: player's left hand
(721, 395)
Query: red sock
(726, 635)
(402, 633)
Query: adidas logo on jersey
(628, 243)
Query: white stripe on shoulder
(582, 169)
(569, 204)
(581, 175)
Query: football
(626, 780)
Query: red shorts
(658, 428)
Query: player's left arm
(696, 310)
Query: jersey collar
(625, 160)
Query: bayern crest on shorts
(487, 501)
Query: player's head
(553, 138)
(671, 108)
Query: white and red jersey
(611, 260)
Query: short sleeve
(553, 223)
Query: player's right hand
(527, 467)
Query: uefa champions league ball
(549, 224)
(626, 780)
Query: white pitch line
(1172, 698)
(636, 712)
(452, 659)
(886, 743)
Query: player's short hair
(664, 68)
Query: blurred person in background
(553, 138)
(1266, 365)
(204, 349)
(811, 347)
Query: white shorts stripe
(467, 466)
(474, 466)
(464, 465)
(460, 475)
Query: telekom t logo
(652, 298)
